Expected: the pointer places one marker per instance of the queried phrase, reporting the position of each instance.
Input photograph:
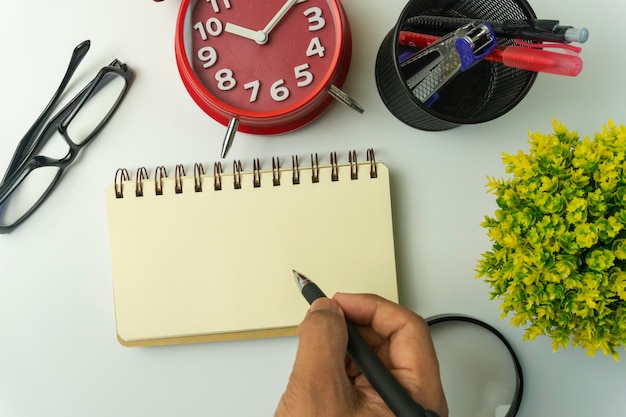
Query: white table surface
(58, 351)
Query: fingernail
(324, 304)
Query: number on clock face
(255, 71)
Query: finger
(378, 345)
(389, 321)
(409, 354)
(384, 316)
(318, 370)
(323, 339)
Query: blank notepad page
(217, 264)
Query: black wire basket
(484, 92)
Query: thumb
(319, 384)
(321, 355)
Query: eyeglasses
(52, 143)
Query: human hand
(324, 383)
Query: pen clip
(567, 48)
(440, 61)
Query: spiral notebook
(208, 256)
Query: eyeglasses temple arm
(23, 148)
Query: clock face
(272, 59)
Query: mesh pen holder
(484, 92)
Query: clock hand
(281, 13)
(260, 36)
(242, 31)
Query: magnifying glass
(480, 372)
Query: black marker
(542, 30)
(387, 386)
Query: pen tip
(300, 279)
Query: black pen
(542, 30)
(370, 365)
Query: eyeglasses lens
(97, 108)
(36, 183)
(27, 193)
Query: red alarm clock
(263, 67)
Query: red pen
(530, 57)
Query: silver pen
(429, 69)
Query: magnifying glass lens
(478, 372)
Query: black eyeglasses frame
(26, 158)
